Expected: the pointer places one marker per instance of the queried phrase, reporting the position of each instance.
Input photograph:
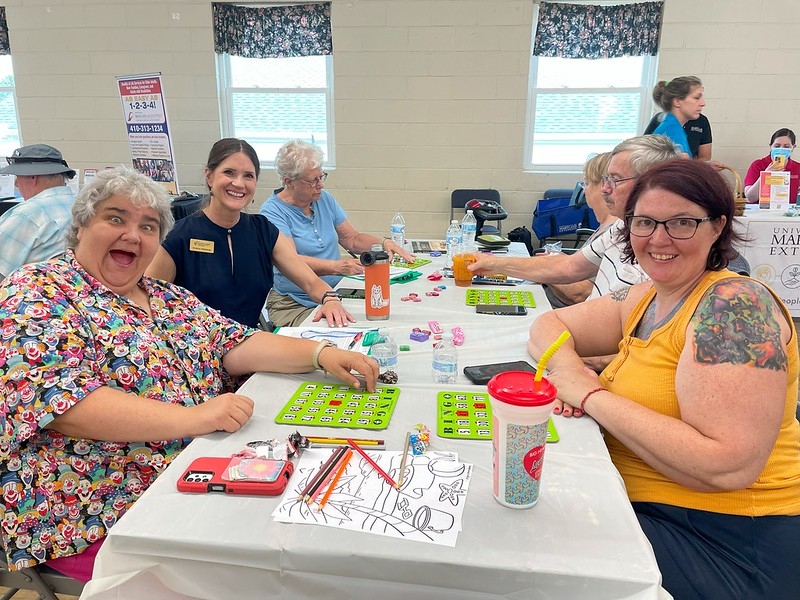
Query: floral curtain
(273, 31)
(5, 47)
(592, 31)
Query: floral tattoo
(735, 323)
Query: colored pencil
(403, 462)
(332, 441)
(375, 466)
(342, 468)
(324, 473)
(316, 477)
(326, 478)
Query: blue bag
(563, 216)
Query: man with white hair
(34, 230)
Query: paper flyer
(773, 190)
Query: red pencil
(375, 466)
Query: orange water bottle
(376, 280)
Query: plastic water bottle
(445, 360)
(452, 238)
(385, 352)
(398, 227)
(469, 227)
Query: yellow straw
(548, 353)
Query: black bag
(522, 234)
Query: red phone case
(207, 475)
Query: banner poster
(145, 115)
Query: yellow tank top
(644, 371)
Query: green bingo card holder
(334, 405)
(468, 416)
(517, 297)
(418, 262)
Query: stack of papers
(342, 337)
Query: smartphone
(213, 474)
(358, 294)
(481, 374)
(500, 309)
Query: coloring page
(428, 507)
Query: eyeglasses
(613, 183)
(315, 183)
(679, 228)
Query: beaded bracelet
(586, 397)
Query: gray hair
(296, 157)
(647, 151)
(122, 181)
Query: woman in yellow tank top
(698, 407)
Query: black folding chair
(46, 582)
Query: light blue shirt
(673, 129)
(35, 229)
(314, 236)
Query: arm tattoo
(619, 295)
(735, 323)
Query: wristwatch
(330, 294)
(320, 347)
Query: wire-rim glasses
(679, 228)
(613, 183)
(317, 182)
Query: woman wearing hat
(35, 229)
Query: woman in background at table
(107, 375)
(566, 294)
(226, 256)
(681, 100)
(314, 221)
(698, 407)
(783, 138)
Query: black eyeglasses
(315, 183)
(613, 183)
(679, 228)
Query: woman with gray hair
(106, 375)
(681, 99)
(311, 217)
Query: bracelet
(586, 397)
(320, 347)
(383, 243)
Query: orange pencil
(341, 470)
(375, 466)
(321, 472)
(333, 468)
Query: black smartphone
(481, 374)
(351, 293)
(500, 309)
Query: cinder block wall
(429, 95)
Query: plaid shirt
(34, 230)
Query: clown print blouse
(63, 335)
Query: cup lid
(520, 389)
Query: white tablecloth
(581, 540)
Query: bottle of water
(398, 227)
(445, 360)
(385, 352)
(469, 227)
(452, 238)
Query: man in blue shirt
(34, 230)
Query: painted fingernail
(557, 411)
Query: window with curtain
(275, 74)
(591, 78)
(9, 124)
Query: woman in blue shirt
(312, 218)
(226, 256)
(681, 100)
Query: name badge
(201, 246)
